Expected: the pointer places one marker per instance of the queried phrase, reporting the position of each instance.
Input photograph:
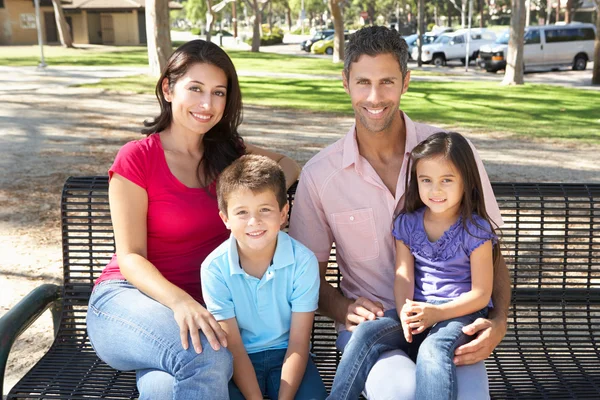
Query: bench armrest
(21, 316)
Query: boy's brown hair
(251, 172)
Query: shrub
(269, 39)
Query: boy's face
(254, 220)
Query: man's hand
(420, 316)
(489, 335)
(362, 310)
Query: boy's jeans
(131, 331)
(267, 366)
(435, 371)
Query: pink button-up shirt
(341, 199)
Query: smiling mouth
(201, 117)
(437, 200)
(375, 111)
(256, 234)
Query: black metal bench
(551, 243)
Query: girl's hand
(403, 315)
(191, 316)
(420, 316)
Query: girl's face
(441, 186)
(198, 98)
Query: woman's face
(198, 98)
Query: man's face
(375, 86)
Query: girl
(445, 252)
(444, 261)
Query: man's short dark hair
(375, 40)
(251, 172)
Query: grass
(137, 56)
(530, 110)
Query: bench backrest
(550, 240)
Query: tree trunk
(270, 18)
(481, 7)
(210, 17)
(421, 29)
(256, 28)
(61, 23)
(449, 16)
(463, 14)
(338, 26)
(158, 35)
(596, 72)
(569, 11)
(514, 59)
(288, 12)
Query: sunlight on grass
(529, 110)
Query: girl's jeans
(433, 350)
(131, 331)
(267, 365)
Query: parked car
(319, 35)
(550, 46)
(411, 41)
(453, 45)
(325, 46)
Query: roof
(112, 5)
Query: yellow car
(325, 46)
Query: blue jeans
(373, 341)
(267, 366)
(131, 331)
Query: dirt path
(48, 135)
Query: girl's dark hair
(456, 149)
(222, 143)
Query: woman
(147, 305)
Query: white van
(550, 46)
(453, 46)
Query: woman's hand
(190, 317)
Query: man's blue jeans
(267, 366)
(373, 339)
(131, 331)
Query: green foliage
(195, 11)
(268, 39)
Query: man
(349, 194)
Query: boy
(262, 286)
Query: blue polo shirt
(263, 307)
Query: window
(532, 37)
(475, 36)
(458, 40)
(585, 34)
(561, 35)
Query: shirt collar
(283, 257)
(351, 154)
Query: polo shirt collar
(350, 148)
(283, 257)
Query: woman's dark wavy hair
(222, 143)
(455, 148)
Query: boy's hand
(420, 316)
(361, 310)
(403, 315)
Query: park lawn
(530, 110)
(136, 56)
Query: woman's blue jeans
(131, 331)
(432, 349)
(267, 366)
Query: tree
(61, 23)
(421, 32)
(210, 17)
(596, 72)
(195, 10)
(338, 26)
(158, 35)
(257, 7)
(514, 60)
